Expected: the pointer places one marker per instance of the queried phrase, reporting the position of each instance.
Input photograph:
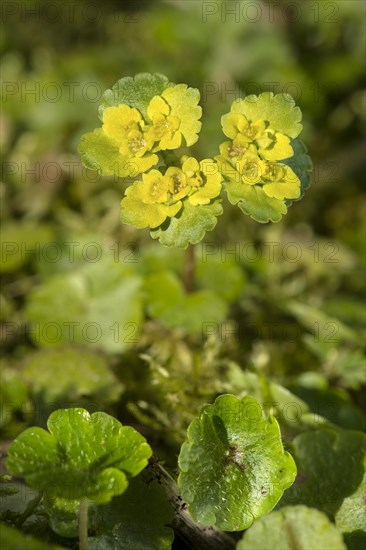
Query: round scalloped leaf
(167, 302)
(137, 519)
(135, 92)
(279, 110)
(189, 225)
(98, 304)
(350, 518)
(302, 165)
(81, 456)
(233, 468)
(252, 200)
(293, 527)
(79, 372)
(322, 458)
(99, 152)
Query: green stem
(189, 268)
(83, 524)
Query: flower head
(174, 117)
(125, 126)
(148, 203)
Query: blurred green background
(57, 59)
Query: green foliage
(293, 527)
(15, 238)
(97, 304)
(167, 302)
(137, 519)
(14, 394)
(233, 468)
(305, 365)
(322, 457)
(350, 517)
(81, 456)
(79, 373)
(190, 227)
(12, 539)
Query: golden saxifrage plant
(262, 166)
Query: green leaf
(135, 92)
(137, 519)
(99, 152)
(21, 242)
(189, 225)
(274, 398)
(12, 539)
(167, 302)
(14, 394)
(81, 456)
(293, 527)
(63, 515)
(326, 328)
(301, 164)
(233, 468)
(279, 110)
(78, 372)
(252, 200)
(334, 404)
(98, 304)
(350, 518)
(222, 275)
(322, 458)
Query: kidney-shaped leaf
(293, 527)
(81, 456)
(233, 468)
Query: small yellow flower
(235, 150)
(178, 185)
(165, 127)
(142, 205)
(204, 179)
(174, 118)
(155, 188)
(280, 182)
(234, 124)
(119, 122)
(274, 146)
(246, 135)
(136, 144)
(148, 203)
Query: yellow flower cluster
(172, 121)
(149, 202)
(253, 154)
